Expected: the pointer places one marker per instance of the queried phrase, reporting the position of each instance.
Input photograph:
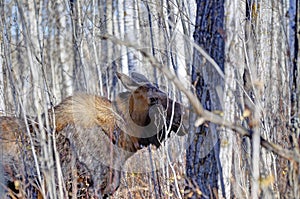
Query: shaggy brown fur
(84, 110)
(87, 111)
(14, 147)
(10, 131)
(101, 135)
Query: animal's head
(147, 113)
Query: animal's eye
(153, 101)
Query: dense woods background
(240, 58)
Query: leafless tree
(233, 65)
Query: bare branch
(198, 108)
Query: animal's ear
(139, 78)
(128, 82)
(124, 95)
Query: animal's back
(84, 110)
(91, 111)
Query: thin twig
(198, 108)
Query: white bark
(109, 49)
(94, 32)
(130, 29)
(123, 50)
(235, 13)
(2, 93)
(64, 64)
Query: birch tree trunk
(234, 66)
(49, 50)
(80, 81)
(2, 93)
(95, 45)
(63, 55)
(267, 69)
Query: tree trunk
(234, 66)
(203, 165)
(63, 55)
(2, 93)
(79, 76)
